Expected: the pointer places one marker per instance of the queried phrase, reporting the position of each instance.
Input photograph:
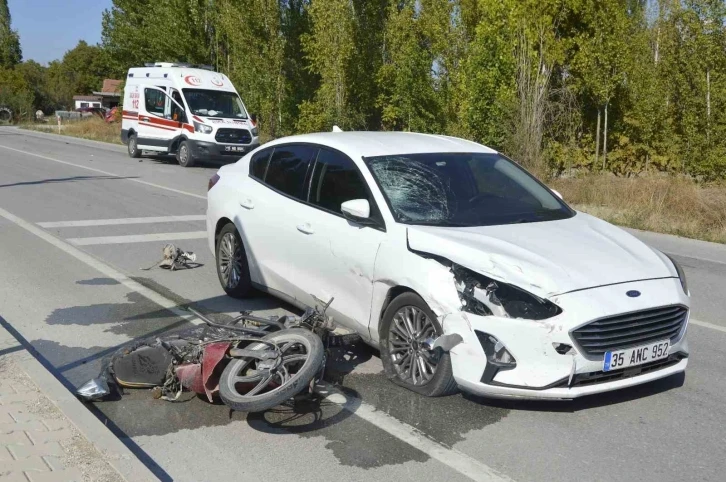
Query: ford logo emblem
(633, 293)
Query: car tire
(184, 155)
(133, 148)
(231, 258)
(441, 382)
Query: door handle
(247, 203)
(145, 119)
(305, 228)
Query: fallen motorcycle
(252, 363)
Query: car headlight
(203, 128)
(255, 131)
(681, 275)
(482, 296)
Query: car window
(258, 164)
(336, 180)
(288, 167)
(155, 101)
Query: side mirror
(356, 209)
(253, 118)
(557, 193)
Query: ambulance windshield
(215, 103)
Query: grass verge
(671, 205)
(92, 128)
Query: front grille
(233, 136)
(631, 329)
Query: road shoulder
(46, 433)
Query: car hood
(546, 258)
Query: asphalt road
(75, 292)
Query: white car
(461, 267)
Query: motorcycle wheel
(246, 387)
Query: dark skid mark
(67, 179)
(353, 441)
(98, 282)
(76, 363)
(215, 306)
(133, 319)
(444, 419)
(161, 417)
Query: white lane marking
(699, 258)
(137, 238)
(707, 325)
(146, 183)
(113, 222)
(454, 459)
(102, 267)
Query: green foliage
(529, 77)
(329, 48)
(139, 31)
(10, 53)
(15, 93)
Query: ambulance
(188, 111)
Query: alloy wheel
(412, 361)
(230, 260)
(183, 155)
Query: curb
(115, 452)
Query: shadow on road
(591, 401)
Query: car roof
(370, 144)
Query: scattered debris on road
(174, 258)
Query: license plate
(234, 149)
(615, 360)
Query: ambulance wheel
(134, 150)
(184, 155)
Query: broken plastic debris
(94, 389)
(174, 258)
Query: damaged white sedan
(462, 268)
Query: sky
(49, 28)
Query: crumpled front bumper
(543, 373)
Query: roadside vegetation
(92, 128)
(664, 204)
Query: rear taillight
(212, 181)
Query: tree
(36, 79)
(10, 53)
(253, 57)
(81, 71)
(15, 93)
(135, 32)
(407, 98)
(599, 63)
(329, 48)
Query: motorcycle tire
(299, 381)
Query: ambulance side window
(155, 101)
